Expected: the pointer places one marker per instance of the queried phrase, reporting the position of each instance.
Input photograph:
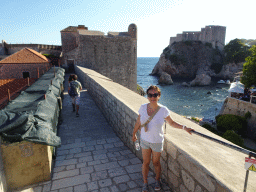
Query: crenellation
(210, 34)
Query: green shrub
(173, 58)
(166, 49)
(216, 67)
(247, 115)
(231, 122)
(188, 43)
(233, 137)
(49, 55)
(210, 128)
(195, 119)
(208, 44)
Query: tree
(249, 69)
(236, 51)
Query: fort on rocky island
(211, 34)
(113, 55)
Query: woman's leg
(146, 154)
(156, 162)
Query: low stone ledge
(189, 162)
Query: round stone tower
(132, 31)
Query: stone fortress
(211, 34)
(113, 55)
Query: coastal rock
(165, 78)
(140, 90)
(229, 71)
(160, 66)
(201, 80)
(186, 60)
(185, 84)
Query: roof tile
(25, 55)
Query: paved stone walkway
(91, 156)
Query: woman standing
(152, 136)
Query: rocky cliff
(193, 59)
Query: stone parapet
(189, 162)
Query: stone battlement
(211, 34)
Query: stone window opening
(26, 75)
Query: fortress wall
(239, 107)
(3, 185)
(211, 34)
(15, 48)
(69, 41)
(189, 162)
(115, 58)
(1, 50)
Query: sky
(40, 22)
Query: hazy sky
(40, 21)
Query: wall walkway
(91, 156)
(189, 162)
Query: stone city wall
(13, 48)
(1, 49)
(3, 185)
(69, 41)
(189, 162)
(239, 107)
(14, 71)
(115, 58)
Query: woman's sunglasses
(153, 95)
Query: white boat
(221, 82)
(228, 82)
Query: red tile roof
(25, 56)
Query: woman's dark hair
(72, 77)
(75, 77)
(154, 87)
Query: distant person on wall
(152, 135)
(74, 88)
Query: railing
(247, 152)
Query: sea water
(186, 101)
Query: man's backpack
(73, 91)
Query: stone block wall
(15, 71)
(3, 185)
(239, 107)
(189, 162)
(1, 49)
(115, 58)
(69, 41)
(15, 48)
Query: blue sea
(186, 101)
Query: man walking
(74, 89)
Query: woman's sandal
(157, 186)
(145, 188)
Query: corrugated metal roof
(23, 56)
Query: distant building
(113, 55)
(22, 64)
(211, 34)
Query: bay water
(185, 101)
